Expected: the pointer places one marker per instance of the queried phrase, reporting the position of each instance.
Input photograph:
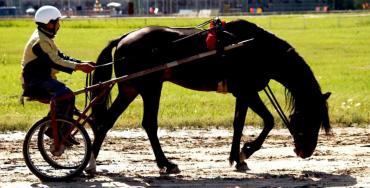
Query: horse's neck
(299, 79)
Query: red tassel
(211, 36)
(211, 41)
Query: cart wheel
(46, 145)
(47, 166)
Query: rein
(198, 33)
(276, 105)
(88, 80)
(181, 39)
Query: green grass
(336, 46)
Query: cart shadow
(306, 178)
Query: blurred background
(201, 8)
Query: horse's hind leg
(151, 97)
(260, 108)
(241, 108)
(125, 96)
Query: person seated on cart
(42, 60)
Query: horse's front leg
(151, 98)
(241, 108)
(256, 104)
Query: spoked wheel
(47, 164)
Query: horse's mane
(298, 96)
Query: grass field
(336, 46)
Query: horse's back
(150, 37)
(250, 66)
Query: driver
(42, 60)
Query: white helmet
(47, 13)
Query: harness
(213, 39)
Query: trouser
(65, 100)
(54, 89)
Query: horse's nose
(303, 154)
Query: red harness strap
(211, 39)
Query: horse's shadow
(308, 178)
(305, 179)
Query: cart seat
(36, 95)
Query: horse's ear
(326, 95)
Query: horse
(246, 71)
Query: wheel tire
(39, 150)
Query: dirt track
(127, 160)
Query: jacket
(42, 59)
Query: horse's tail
(103, 73)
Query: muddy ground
(126, 160)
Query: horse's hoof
(242, 167)
(91, 167)
(231, 162)
(90, 171)
(175, 170)
(165, 170)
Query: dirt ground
(202, 155)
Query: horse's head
(305, 125)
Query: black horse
(246, 70)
